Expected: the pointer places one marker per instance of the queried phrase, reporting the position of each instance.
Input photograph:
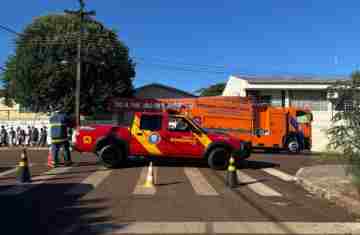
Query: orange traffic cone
(149, 182)
(50, 161)
(23, 172)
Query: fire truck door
(146, 134)
(277, 128)
(180, 140)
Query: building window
(264, 99)
(315, 100)
(344, 105)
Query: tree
(41, 75)
(213, 90)
(345, 131)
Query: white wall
(235, 87)
(319, 127)
(24, 124)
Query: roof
(173, 89)
(291, 79)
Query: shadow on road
(170, 183)
(282, 152)
(252, 182)
(5, 168)
(198, 163)
(47, 210)
(249, 164)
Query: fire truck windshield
(197, 126)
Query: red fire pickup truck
(158, 134)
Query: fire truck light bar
(133, 105)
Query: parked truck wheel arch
(112, 152)
(218, 156)
(292, 143)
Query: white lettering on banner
(149, 105)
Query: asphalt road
(188, 198)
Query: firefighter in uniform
(59, 124)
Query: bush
(345, 131)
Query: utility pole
(81, 13)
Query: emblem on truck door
(87, 139)
(154, 138)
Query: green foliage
(42, 73)
(213, 90)
(345, 131)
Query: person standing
(3, 136)
(59, 124)
(12, 136)
(22, 137)
(28, 136)
(34, 136)
(41, 139)
(18, 140)
(46, 142)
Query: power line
(93, 40)
(184, 69)
(10, 30)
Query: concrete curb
(352, 205)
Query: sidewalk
(330, 182)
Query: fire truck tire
(293, 145)
(218, 158)
(111, 156)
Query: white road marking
(21, 188)
(151, 228)
(93, 180)
(285, 228)
(277, 173)
(306, 228)
(139, 188)
(257, 187)
(199, 183)
(13, 170)
(8, 172)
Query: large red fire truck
(156, 131)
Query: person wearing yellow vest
(59, 124)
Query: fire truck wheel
(218, 158)
(111, 156)
(293, 145)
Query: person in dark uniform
(59, 124)
(3, 136)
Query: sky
(193, 44)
